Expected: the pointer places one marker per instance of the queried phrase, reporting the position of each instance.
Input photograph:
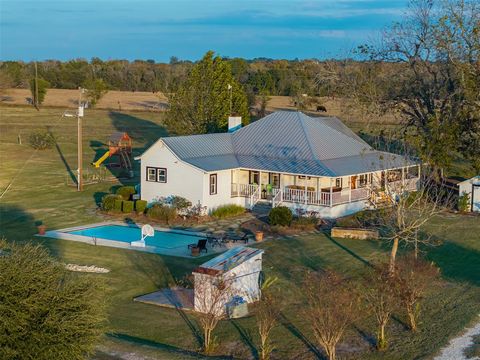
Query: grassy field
(38, 193)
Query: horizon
(148, 30)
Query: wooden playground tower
(119, 145)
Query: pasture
(37, 191)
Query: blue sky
(148, 29)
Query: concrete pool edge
(63, 234)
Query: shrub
(118, 205)
(41, 140)
(280, 216)
(127, 206)
(305, 223)
(463, 202)
(140, 206)
(226, 211)
(162, 212)
(126, 192)
(108, 201)
(179, 203)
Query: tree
(267, 313)
(40, 89)
(203, 102)
(211, 296)
(378, 292)
(332, 308)
(438, 88)
(96, 89)
(46, 312)
(413, 277)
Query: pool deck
(177, 298)
(182, 251)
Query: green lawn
(39, 193)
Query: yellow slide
(102, 159)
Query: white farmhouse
(471, 187)
(287, 158)
(238, 268)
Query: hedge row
(116, 203)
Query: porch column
(403, 178)
(349, 189)
(331, 193)
(305, 192)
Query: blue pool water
(161, 239)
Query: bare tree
(378, 292)
(267, 313)
(413, 278)
(332, 307)
(212, 293)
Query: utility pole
(79, 144)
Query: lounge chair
(202, 245)
(240, 237)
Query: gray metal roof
(287, 142)
(230, 259)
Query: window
(338, 182)
(161, 175)
(155, 174)
(213, 184)
(254, 177)
(151, 174)
(364, 180)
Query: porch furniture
(201, 245)
(216, 239)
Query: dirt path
(456, 347)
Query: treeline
(259, 76)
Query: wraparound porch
(321, 191)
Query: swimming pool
(164, 241)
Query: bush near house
(463, 202)
(140, 206)
(118, 205)
(226, 211)
(108, 201)
(281, 216)
(179, 203)
(126, 192)
(162, 212)
(127, 206)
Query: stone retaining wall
(354, 233)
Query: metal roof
(285, 142)
(228, 260)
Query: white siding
(223, 195)
(182, 179)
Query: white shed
(472, 188)
(239, 267)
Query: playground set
(120, 149)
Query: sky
(156, 29)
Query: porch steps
(262, 208)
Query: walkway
(457, 347)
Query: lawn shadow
(456, 262)
(157, 345)
(298, 334)
(246, 337)
(13, 216)
(62, 158)
(346, 249)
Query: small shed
(239, 268)
(472, 188)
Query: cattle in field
(321, 108)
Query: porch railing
(277, 197)
(244, 190)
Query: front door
(353, 182)
(254, 177)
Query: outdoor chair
(215, 239)
(202, 245)
(240, 237)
